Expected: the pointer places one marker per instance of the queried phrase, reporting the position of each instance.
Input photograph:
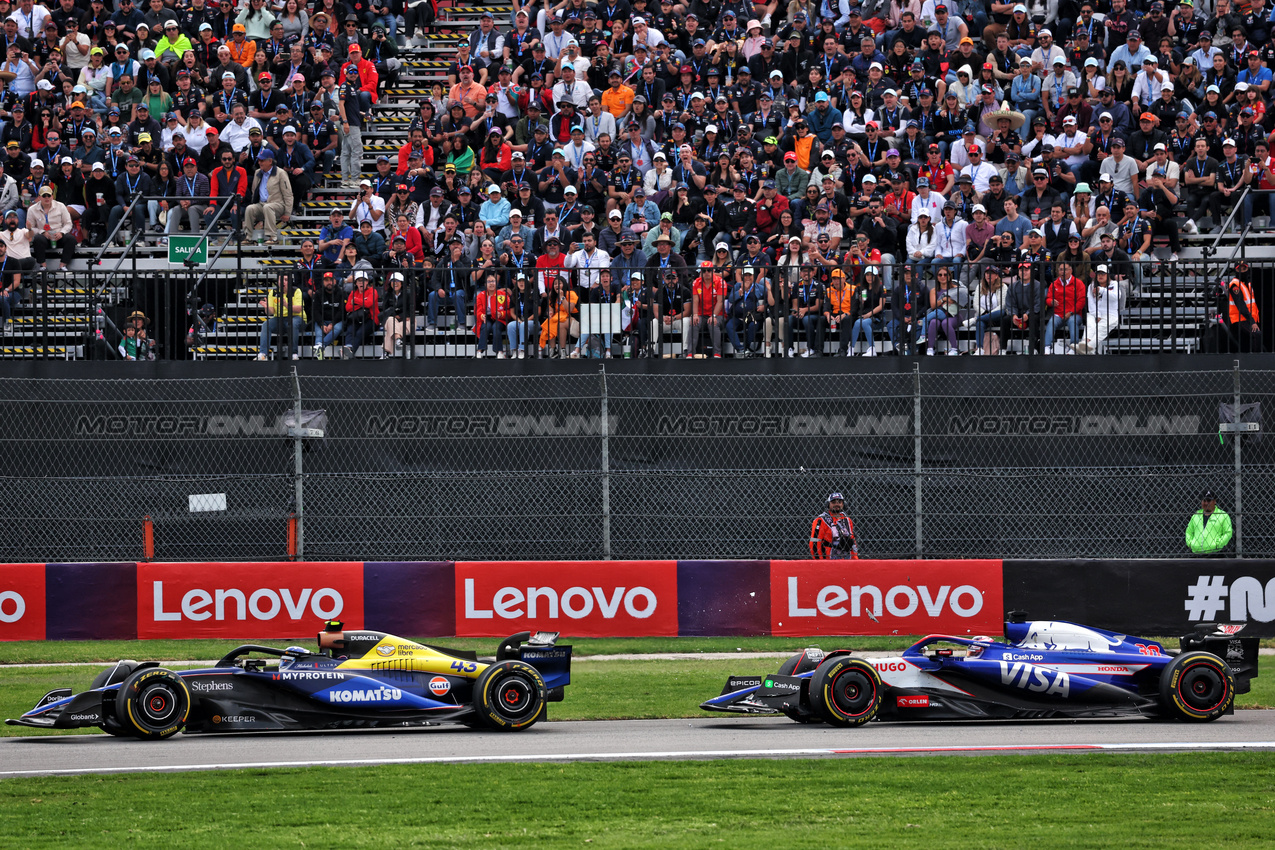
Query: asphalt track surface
(709, 737)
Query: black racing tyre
(153, 704)
(113, 676)
(1197, 686)
(845, 691)
(509, 696)
(795, 666)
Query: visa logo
(1034, 678)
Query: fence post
(605, 424)
(1236, 439)
(916, 449)
(298, 467)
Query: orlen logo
(585, 598)
(244, 600)
(439, 686)
(921, 701)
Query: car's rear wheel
(845, 691)
(1197, 686)
(153, 704)
(509, 696)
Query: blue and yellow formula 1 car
(357, 679)
(1042, 669)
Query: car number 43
(464, 666)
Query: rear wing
(1239, 653)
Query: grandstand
(76, 314)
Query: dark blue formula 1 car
(357, 679)
(1042, 669)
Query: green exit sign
(183, 248)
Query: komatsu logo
(181, 426)
(1033, 678)
(1086, 426)
(790, 426)
(488, 426)
(370, 695)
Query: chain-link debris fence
(936, 462)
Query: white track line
(654, 755)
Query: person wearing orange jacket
(832, 532)
(1242, 315)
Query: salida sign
(234, 600)
(885, 597)
(582, 598)
(22, 602)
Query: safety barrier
(284, 600)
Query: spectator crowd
(763, 175)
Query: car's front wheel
(1197, 686)
(509, 696)
(113, 676)
(845, 691)
(153, 704)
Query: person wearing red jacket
(496, 157)
(367, 74)
(770, 207)
(1067, 301)
(411, 237)
(230, 182)
(362, 314)
(491, 310)
(415, 146)
(832, 532)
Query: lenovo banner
(246, 600)
(885, 597)
(579, 598)
(22, 602)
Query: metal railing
(612, 463)
(1163, 307)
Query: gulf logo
(439, 686)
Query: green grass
(1083, 801)
(70, 651)
(66, 651)
(600, 690)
